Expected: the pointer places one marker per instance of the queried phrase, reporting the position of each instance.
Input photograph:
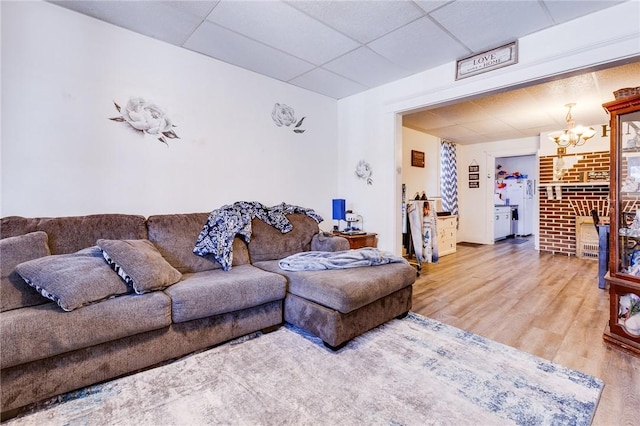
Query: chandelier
(573, 135)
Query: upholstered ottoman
(338, 305)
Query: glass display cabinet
(623, 278)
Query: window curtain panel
(449, 177)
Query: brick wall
(591, 161)
(558, 217)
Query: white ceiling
(340, 48)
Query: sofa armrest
(324, 241)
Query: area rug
(414, 371)
(517, 240)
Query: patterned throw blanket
(319, 260)
(223, 224)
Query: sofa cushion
(73, 280)
(175, 237)
(140, 264)
(268, 243)
(72, 233)
(13, 226)
(214, 292)
(15, 292)
(324, 241)
(42, 331)
(346, 290)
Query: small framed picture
(417, 158)
(474, 168)
(474, 184)
(474, 176)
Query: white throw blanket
(319, 260)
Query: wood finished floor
(544, 304)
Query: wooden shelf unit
(623, 278)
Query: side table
(369, 239)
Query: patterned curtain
(449, 177)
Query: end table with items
(356, 241)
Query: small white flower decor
(284, 115)
(146, 117)
(363, 171)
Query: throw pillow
(73, 280)
(15, 292)
(140, 264)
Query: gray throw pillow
(15, 292)
(140, 264)
(73, 280)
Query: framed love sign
(489, 60)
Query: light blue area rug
(414, 371)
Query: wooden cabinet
(624, 258)
(447, 234)
(363, 240)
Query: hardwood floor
(544, 304)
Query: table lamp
(339, 212)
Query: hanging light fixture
(573, 135)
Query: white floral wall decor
(284, 115)
(363, 171)
(146, 117)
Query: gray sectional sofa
(180, 302)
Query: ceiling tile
(325, 82)
(524, 118)
(502, 103)
(418, 46)
(562, 11)
(454, 133)
(499, 136)
(465, 111)
(482, 25)
(615, 79)
(362, 20)
(427, 120)
(233, 48)
(170, 21)
(487, 126)
(581, 90)
(429, 5)
(476, 139)
(279, 25)
(366, 67)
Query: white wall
(369, 124)
(61, 73)
(418, 179)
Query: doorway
(523, 113)
(516, 191)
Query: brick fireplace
(558, 216)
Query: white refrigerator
(520, 192)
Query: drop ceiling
(340, 48)
(529, 111)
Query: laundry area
(514, 197)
